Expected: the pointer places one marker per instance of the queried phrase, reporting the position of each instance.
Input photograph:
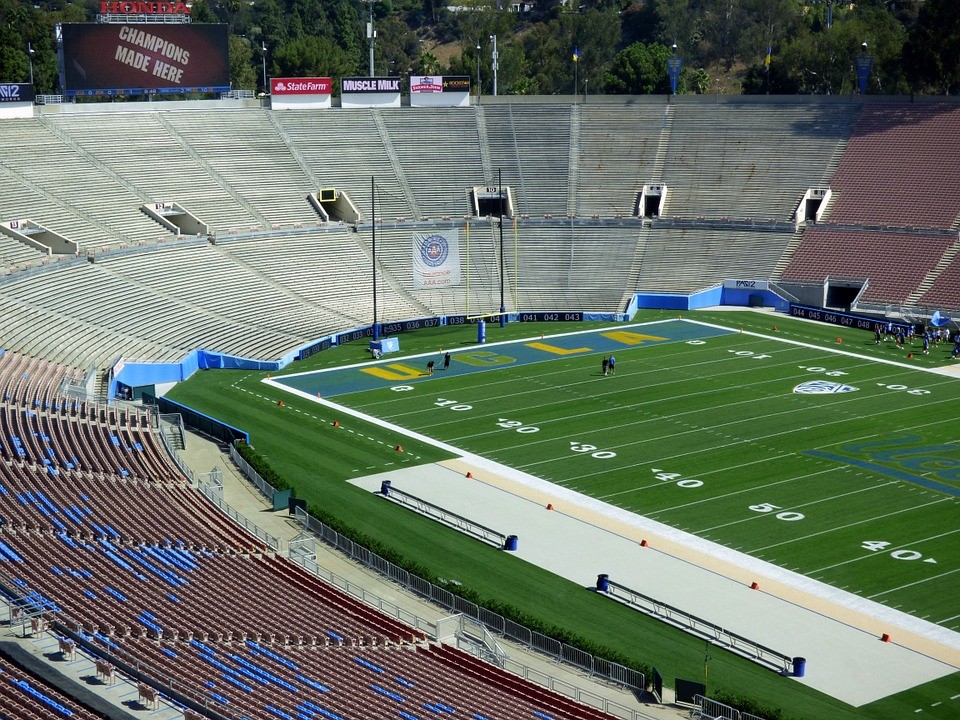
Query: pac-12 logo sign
(435, 250)
(822, 387)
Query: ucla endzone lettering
(481, 358)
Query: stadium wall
(204, 423)
(742, 297)
(135, 375)
(677, 301)
(142, 374)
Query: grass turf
(720, 414)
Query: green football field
(836, 466)
(700, 427)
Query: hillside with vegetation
(728, 46)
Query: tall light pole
(495, 56)
(674, 66)
(263, 55)
(863, 64)
(478, 72)
(371, 34)
(30, 53)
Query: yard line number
(785, 515)
(516, 425)
(453, 405)
(592, 450)
(902, 554)
(677, 479)
(749, 354)
(822, 370)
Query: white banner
(746, 284)
(436, 260)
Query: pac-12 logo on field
(435, 250)
(822, 387)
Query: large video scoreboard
(144, 58)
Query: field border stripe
(517, 341)
(825, 348)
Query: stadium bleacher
(26, 696)
(739, 160)
(687, 259)
(750, 160)
(901, 168)
(100, 533)
(77, 479)
(175, 171)
(894, 263)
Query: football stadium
(621, 407)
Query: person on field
(446, 361)
(612, 363)
(605, 365)
(430, 368)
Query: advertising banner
(369, 85)
(425, 84)
(746, 284)
(674, 66)
(436, 259)
(852, 321)
(364, 92)
(301, 86)
(16, 92)
(313, 93)
(135, 59)
(439, 91)
(139, 7)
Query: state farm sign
(301, 86)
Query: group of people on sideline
(902, 335)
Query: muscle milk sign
(370, 92)
(368, 85)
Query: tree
(930, 57)
(312, 57)
(242, 75)
(639, 70)
(427, 64)
(201, 12)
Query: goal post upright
(503, 306)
